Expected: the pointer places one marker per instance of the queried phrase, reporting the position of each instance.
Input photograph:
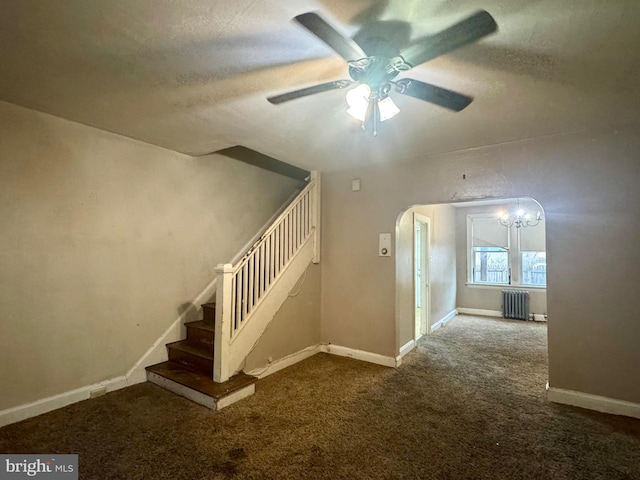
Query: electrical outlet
(98, 392)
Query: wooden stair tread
(198, 349)
(199, 382)
(201, 324)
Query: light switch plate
(355, 185)
(384, 245)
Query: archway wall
(588, 185)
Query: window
(534, 268)
(490, 265)
(533, 255)
(505, 256)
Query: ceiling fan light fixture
(387, 109)
(358, 101)
(382, 62)
(359, 113)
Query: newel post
(222, 346)
(316, 215)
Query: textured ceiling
(193, 75)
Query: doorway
(421, 255)
(438, 259)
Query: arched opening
(472, 258)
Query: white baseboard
(406, 348)
(360, 355)
(333, 350)
(478, 311)
(22, 412)
(285, 362)
(538, 317)
(443, 321)
(593, 402)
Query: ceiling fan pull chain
(376, 113)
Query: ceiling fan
(375, 68)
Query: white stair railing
(243, 287)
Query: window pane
(534, 268)
(490, 265)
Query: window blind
(487, 232)
(532, 238)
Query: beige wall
(295, 327)
(442, 277)
(442, 272)
(589, 186)
(358, 305)
(480, 296)
(104, 241)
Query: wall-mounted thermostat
(384, 245)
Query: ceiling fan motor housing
(376, 72)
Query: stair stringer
(230, 353)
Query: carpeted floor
(468, 403)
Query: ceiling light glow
(358, 101)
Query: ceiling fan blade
(432, 94)
(462, 33)
(344, 46)
(303, 92)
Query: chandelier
(521, 219)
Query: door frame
(425, 259)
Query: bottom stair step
(200, 388)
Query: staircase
(189, 370)
(206, 366)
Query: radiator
(515, 304)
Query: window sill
(493, 286)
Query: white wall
(589, 186)
(104, 242)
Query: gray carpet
(468, 403)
